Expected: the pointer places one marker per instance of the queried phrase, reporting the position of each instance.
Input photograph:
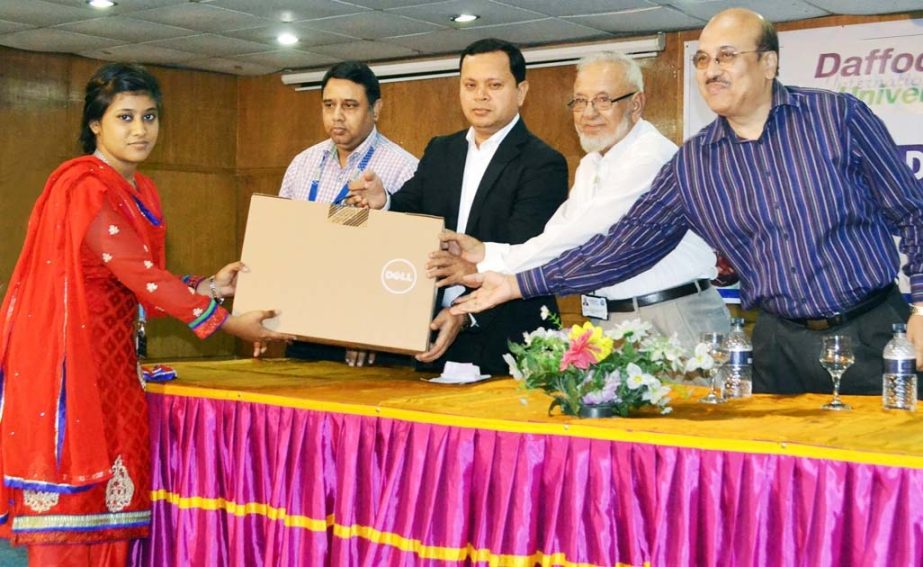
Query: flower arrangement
(585, 367)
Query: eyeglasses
(601, 102)
(724, 59)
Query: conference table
(278, 462)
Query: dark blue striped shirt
(805, 214)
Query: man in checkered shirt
(351, 104)
(322, 173)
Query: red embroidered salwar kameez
(74, 447)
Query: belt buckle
(817, 324)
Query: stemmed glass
(836, 356)
(718, 352)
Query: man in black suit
(494, 181)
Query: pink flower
(582, 352)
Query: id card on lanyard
(363, 163)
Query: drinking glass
(718, 351)
(836, 355)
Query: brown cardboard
(340, 275)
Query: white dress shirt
(605, 188)
(476, 162)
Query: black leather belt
(873, 300)
(629, 305)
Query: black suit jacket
(525, 182)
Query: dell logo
(398, 276)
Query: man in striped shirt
(802, 190)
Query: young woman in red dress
(74, 453)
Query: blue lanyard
(363, 163)
(151, 217)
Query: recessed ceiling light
(101, 4)
(287, 39)
(464, 18)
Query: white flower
(666, 410)
(197, 311)
(544, 312)
(148, 264)
(113, 229)
(632, 331)
(657, 394)
(151, 287)
(700, 360)
(514, 369)
(635, 377)
(541, 332)
(106, 257)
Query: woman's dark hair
(108, 81)
(357, 72)
(489, 45)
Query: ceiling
(238, 36)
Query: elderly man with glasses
(624, 154)
(802, 189)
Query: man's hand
(249, 327)
(367, 191)
(448, 327)
(915, 335)
(448, 269)
(494, 289)
(466, 247)
(360, 358)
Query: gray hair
(632, 71)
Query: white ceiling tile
(641, 21)
(491, 13)
(867, 7)
(40, 13)
(50, 39)
(388, 4)
(441, 42)
(211, 45)
(778, 11)
(121, 6)
(125, 29)
(229, 66)
(577, 7)
(291, 10)
(365, 51)
(307, 37)
(551, 30)
(200, 17)
(373, 25)
(141, 53)
(219, 34)
(286, 59)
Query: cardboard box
(340, 275)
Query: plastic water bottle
(738, 375)
(899, 382)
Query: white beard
(603, 142)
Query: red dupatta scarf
(51, 422)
